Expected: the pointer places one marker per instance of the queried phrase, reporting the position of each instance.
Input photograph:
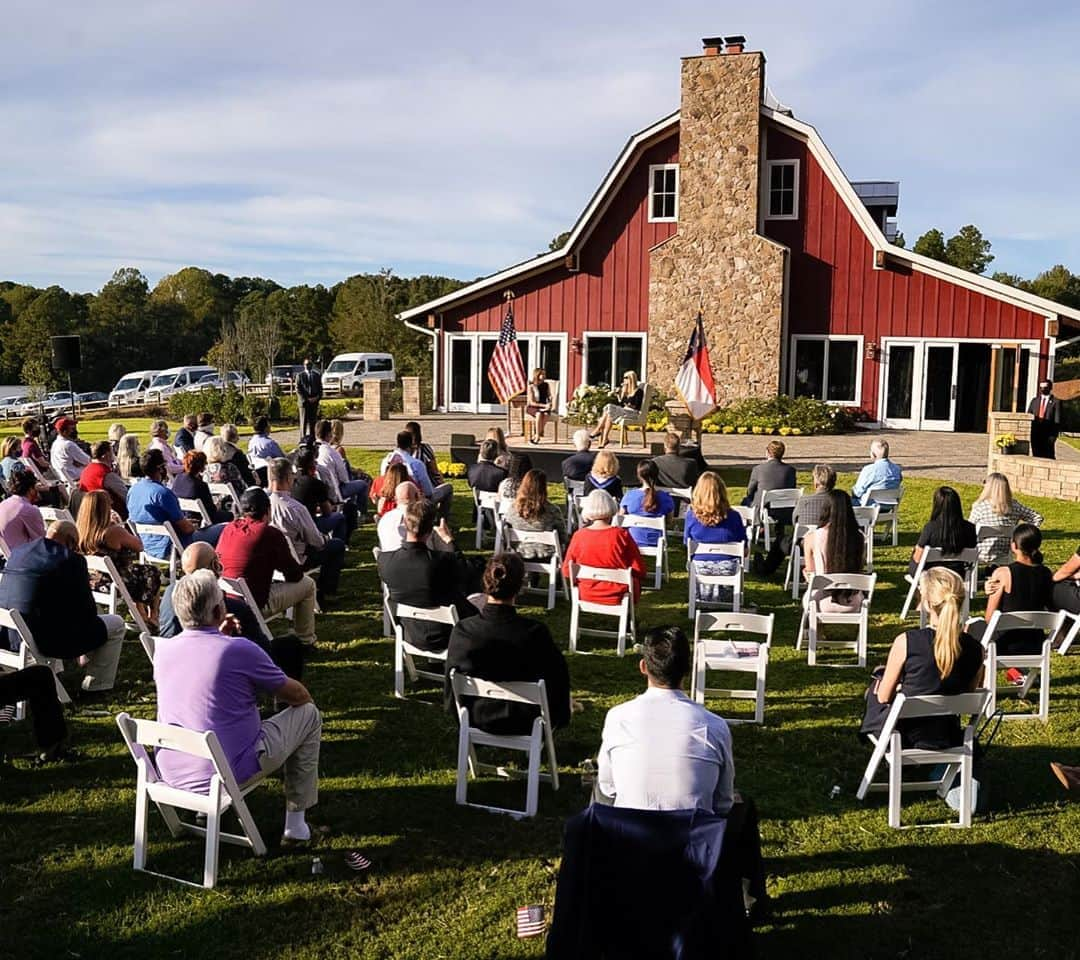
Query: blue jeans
(355, 490)
(330, 559)
(335, 524)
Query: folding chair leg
(141, 818)
(896, 780)
(532, 796)
(399, 669)
(213, 835)
(966, 776)
(464, 762)
(759, 699)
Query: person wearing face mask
(1046, 424)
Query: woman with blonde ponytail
(938, 659)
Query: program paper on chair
(714, 649)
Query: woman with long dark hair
(1024, 584)
(647, 501)
(835, 546)
(946, 529)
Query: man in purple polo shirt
(207, 680)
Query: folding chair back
(53, 515)
(5, 550)
(744, 656)
(1037, 665)
(867, 518)
(513, 540)
(887, 500)
(933, 555)
(223, 493)
(237, 587)
(28, 654)
(623, 610)
(796, 559)
(888, 746)
(734, 581)
(198, 508)
(996, 531)
(659, 552)
(575, 490)
(405, 653)
(820, 586)
(171, 564)
(751, 518)
(533, 743)
(681, 497)
(784, 499)
(487, 503)
(144, 736)
(116, 592)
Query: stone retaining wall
(1027, 474)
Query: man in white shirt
(662, 751)
(391, 526)
(67, 458)
(312, 547)
(402, 453)
(333, 471)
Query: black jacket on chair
(420, 577)
(49, 585)
(501, 645)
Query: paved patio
(947, 456)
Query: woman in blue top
(647, 501)
(710, 519)
(11, 462)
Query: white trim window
(782, 190)
(827, 368)
(663, 192)
(607, 356)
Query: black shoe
(58, 754)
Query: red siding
(611, 291)
(835, 289)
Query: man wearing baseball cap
(67, 458)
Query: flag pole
(508, 296)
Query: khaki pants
(290, 739)
(301, 597)
(101, 664)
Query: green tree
(969, 250)
(195, 303)
(898, 240)
(1058, 284)
(559, 241)
(303, 314)
(931, 244)
(54, 312)
(118, 340)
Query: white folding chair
(730, 656)
(28, 654)
(47, 478)
(638, 420)
(795, 558)
(1074, 629)
(1036, 664)
(171, 563)
(751, 518)
(198, 508)
(111, 596)
(487, 503)
(775, 500)
(813, 616)
(681, 497)
(734, 581)
(968, 557)
(53, 515)
(575, 490)
(623, 611)
(550, 568)
(533, 743)
(405, 654)
(887, 500)
(867, 518)
(144, 736)
(237, 587)
(223, 493)
(888, 746)
(659, 552)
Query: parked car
(131, 387)
(284, 375)
(348, 371)
(52, 404)
(92, 398)
(213, 382)
(170, 381)
(11, 406)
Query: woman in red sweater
(602, 545)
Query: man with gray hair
(808, 509)
(879, 474)
(207, 680)
(578, 465)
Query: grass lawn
(446, 880)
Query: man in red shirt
(99, 475)
(250, 548)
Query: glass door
(901, 385)
(460, 375)
(939, 386)
(487, 402)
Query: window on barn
(608, 357)
(827, 368)
(783, 180)
(663, 192)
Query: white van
(348, 370)
(131, 387)
(168, 382)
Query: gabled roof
(578, 234)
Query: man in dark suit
(485, 475)
(1046, 411)
(308, 394)
(773, 474)
(578, 464)
(47, 582)
(420, 577)
(677, 467)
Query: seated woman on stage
(835, 546)
(538, 406)
(630, 398)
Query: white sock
(296, 827)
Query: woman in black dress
(631, 396)
(538, 407)
(946, 529)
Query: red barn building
(734, 207)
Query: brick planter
(1027, 474)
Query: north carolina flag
(694, 381)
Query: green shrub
(227, 406)
(587, 403)
(231, 406)
(796, 415)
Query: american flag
(530, 921)
(507, 369)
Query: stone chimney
(716, 261)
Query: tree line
(193, 316)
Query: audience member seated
(710, 519)
(262, 448)
(314, 494)
(337, 441)
(676, 468)
(946, 529)
(995, 507)
(20, 519)
(646, 501)
(391, 526)
(116, 431)
(441, 490)
(520, 464)
(205, 429)
(159, 440)
(879, 474)
(836, 546)
(485, 475)
(31, 449)
(285, 650)
(602, 545)
(220, 467)
(150, 501)
(35, 686)
(938, 659)
(101, 536)
(46, 580)
(100, 475)
(421, 577)
(250, 548)
(335, 473)
(67, 458)
(237, 457)
(578, 464)
(538, 406)
(207, 680)
(184, 440)
(10, 464)
(810, 507)
(532, 511)
(628, 403)
(502, 457)
(385, 485)
(772, 474)
(128, 458)
(604, 475)
(501, 645)
(190, 485)
(313, 548)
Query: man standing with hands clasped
(308, 395)
(1046, 423)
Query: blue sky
(307, 142)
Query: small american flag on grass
(530, 921)
(507, 370)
